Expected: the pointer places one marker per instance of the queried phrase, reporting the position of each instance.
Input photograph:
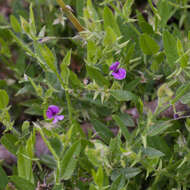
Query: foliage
(62, 57)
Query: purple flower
(176, 116)
(52, 113)
(118, 73)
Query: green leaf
(148, 45)
(74, 80)
(4, 99)
(158, 142)
(58, 187)
(118, 183)
(127, 119)
(3, 179)
(56, 145)
(127, 172)
(122, 126)
(22, 184)
(110, 37)
(67, 59)
(122, 95)
(32, 22)
(152, 152)
(25, 25)
(99, 177)
(48, 57)
(181, 91)
(96, 75)
(170, 48)
(15, 24)
(25, 155)
(145, 26)
(110, 21)
(79, 9)
(9, 142)
(183, 58)
(159, 128)
(102, 130)
(69, 161)
(165, 11)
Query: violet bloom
(52, 113)
(118, 73)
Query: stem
(48, 144)
(69, 105)
(58, 180)
(70, 15)
(57, 177)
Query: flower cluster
(52, 113)
(118, 73)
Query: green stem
(69, 105)
(48, 144)
(70, 15)
(58, 180)
(57, 177)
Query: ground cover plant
(94, 95)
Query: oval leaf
(4, 99)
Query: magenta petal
(60, 117)
(55, 120)
(114, 66)
(120, 74)
(54, 109)
(49, 114)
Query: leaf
(96, 75)
(110, 37)
(4, 99)
(158, 128)
(170, 48)
(102, 130)
(22, 184)
(160, 143)
(9, 142)
(24, 163)
(69, 161)
(32, 21)
(122, 95)
(65, 72)
(152, 152)
(127, 119)
(126, 172)
(74, 80)
(25, 25)
(118, 183)
(48, 57)
(15, 24)
(99, 177)
(3, 179)
(148, 45)
(67, 59)
(183, 58)
(165, 11)
(79, 9)
(181, 91)
(58, 187)
(56, 145)
(122, 126)
(110, 21)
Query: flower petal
(55, 120)
(60, 117)
(120, 74)
(49, 114)
(114, 66)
